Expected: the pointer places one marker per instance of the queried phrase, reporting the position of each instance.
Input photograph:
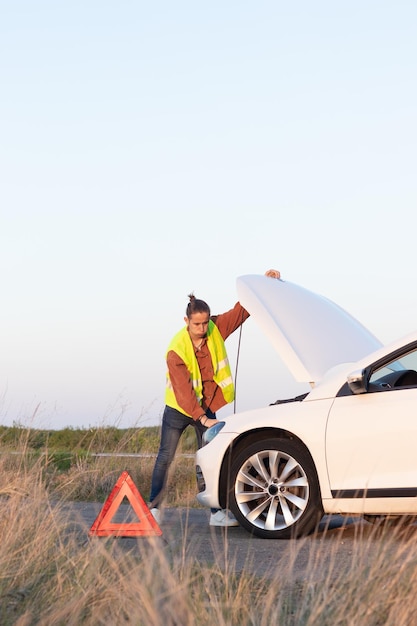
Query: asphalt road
(187, 531)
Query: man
(199, 383)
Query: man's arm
(182, 386)
(228, 322)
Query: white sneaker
(157, 515)
(223, 517)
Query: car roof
(310, 332)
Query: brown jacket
(213, 399)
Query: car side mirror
(357, 382)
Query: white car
(348, 446)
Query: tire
(274, 492)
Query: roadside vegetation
(89, 440)
(72, 467)
(53, 574)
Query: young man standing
(199, 383)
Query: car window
(400, 372)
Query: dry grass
(52, 575)
(93, 479)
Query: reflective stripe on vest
(182, 345)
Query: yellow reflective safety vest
(183, 346)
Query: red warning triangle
(103, 525)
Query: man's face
(197, 325)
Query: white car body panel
(363, 444)
(306, 420)
(311, 333)
(370, 506)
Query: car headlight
(210, 433)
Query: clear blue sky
(152, 149)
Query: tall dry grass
(77, 473)
(51, 573)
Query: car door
(371, 437)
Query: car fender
(305, 421)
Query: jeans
(173, 425)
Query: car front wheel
(274, 491)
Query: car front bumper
(209, 460)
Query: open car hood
(310, 333)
